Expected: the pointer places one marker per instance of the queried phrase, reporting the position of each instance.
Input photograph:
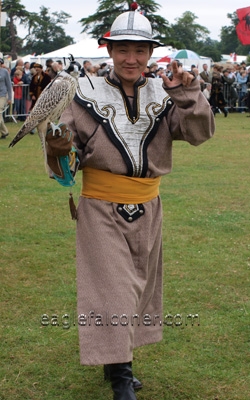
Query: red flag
(243, 27)
(107, 34)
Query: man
(5, 96)
(86, 64)
(48, 63)
(205, 76)
(60, 65)
(19, 63)
(229, 92)
(123, 128)
(26, 68)
(152, 70)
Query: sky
(211, 14)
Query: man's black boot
(136, 383)
(121, 378)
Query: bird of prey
(49, 106)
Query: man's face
(130, 59)
(87, 65)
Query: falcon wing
(49, 106)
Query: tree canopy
(46, 33)
(16, 12)
(45, 30)
(99, 23)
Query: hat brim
(129, 38)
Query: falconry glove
(60, 142)
(61, 155)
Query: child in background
(18, 93)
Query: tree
(188, 33)
(16, 12)
(100, 22)
(210, 48)
(45, 31)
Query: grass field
(206, 241)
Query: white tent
(83, 50)
(88, 49)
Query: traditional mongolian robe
(124, 145)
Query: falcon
(49, 106)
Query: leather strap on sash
(114, 188)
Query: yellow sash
(115, 188)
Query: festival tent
(85, 49)
(88, 49)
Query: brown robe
(37, 85)
(119, 264)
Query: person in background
(27, 76)
(90, 71)
(205, 75)
(19, 63)
(18, 94)
(194, 67)
(217, 100)
(48, 63)
(242, 80)
(207, 91)
(104, 70)
(168, 72)
(26, 67)
(159, 72)
(86, 64)
(5, 96)
(96, 69)
(217, 71)
(38, 82)
(195, 71)
(229, 92)
(60, 65)
(152, 70)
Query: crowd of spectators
(226, 88)
(29, 80)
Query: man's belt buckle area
(131, 212)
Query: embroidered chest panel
(130, 127)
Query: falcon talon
(58, 132)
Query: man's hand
(179, 77)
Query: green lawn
(206, 240)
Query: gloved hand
(60, 143)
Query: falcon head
(74, 67)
